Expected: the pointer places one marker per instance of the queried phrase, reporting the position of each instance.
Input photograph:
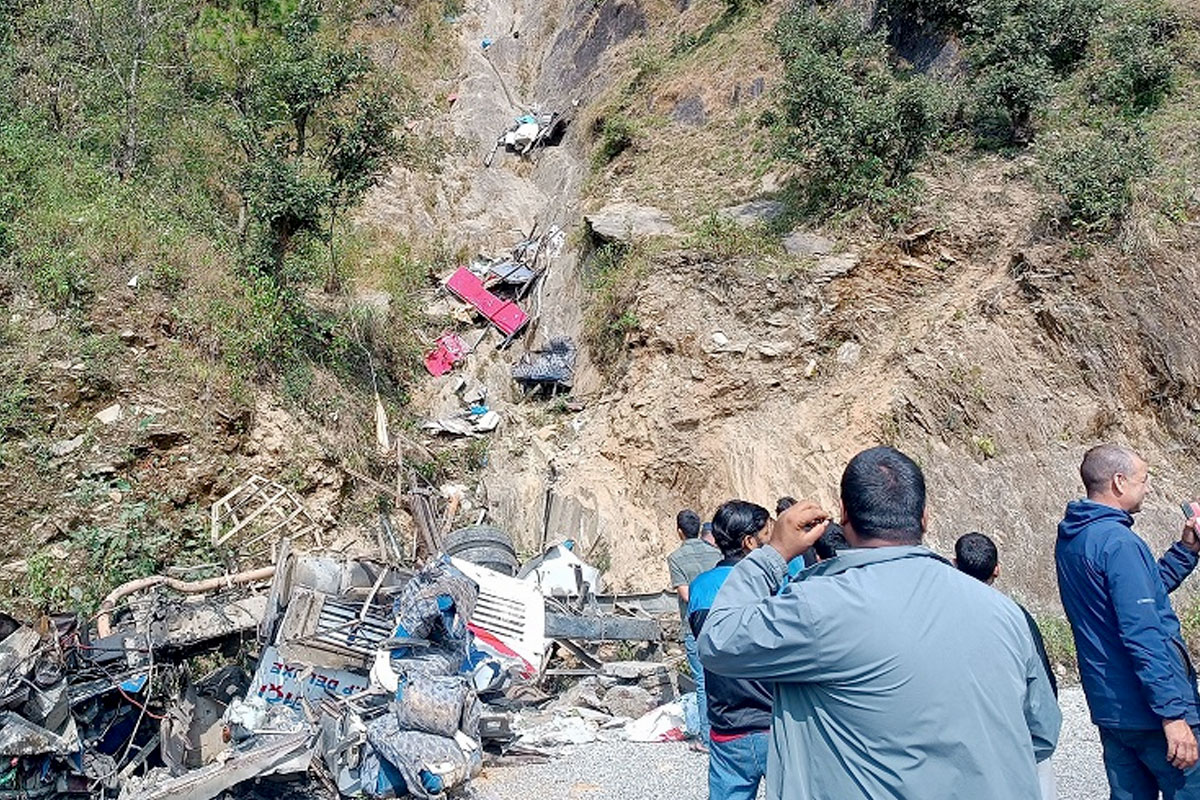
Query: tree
(316, 131)
(123, 33)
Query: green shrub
(47, 580)
(948, 15)
(16, 406)
(1134, 64)
(1093, 171)
(615, 133)
(612, 274)
(734, 10)
(1189, 620)
(987, 446)
(8, 18)
(722, 238)
(58, 274)
(1017, 50)
(1060, 644)
(858, 126)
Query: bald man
(1139, 682)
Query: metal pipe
(104, 619)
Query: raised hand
(797, 528)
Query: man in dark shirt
(739, 709)
(688, 560)
(977, 555)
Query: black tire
(477, 535)
(496, 558)
(484, 545)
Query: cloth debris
(553, 366)
(448, 351)
(663, 724)
(428, 764)
(566, 729)
(428, 740)
(469, 423)
(527, 132)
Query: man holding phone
(895, 675)
(1139, 682)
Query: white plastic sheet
(663, 724)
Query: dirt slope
(945, 349)
(989, 350)
(543, 57)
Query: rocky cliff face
(989, 350)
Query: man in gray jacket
(896, 676)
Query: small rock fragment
(690, 111)
(849, 353)
(623, 221)
(774, 349)
(754, 212)
(803, 243)
(628, 701)
(830, 267)
(66, 446)
(45, 322)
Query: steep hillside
(992, 289)
(174, 321)
(971, 328)
(152, 364)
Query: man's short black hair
(783, 504)
(1101, 463)
(736, 520)
(688, 521)
(831, 542)
(883, 492)
(976, 554)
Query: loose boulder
(625, 222)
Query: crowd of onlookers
(836, 657)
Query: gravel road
(628, 771)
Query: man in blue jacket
(1139, 682)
